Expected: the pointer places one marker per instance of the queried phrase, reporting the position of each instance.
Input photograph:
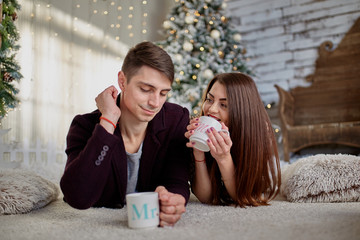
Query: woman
(242, 168)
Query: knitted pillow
(322, 178)
(22, 191)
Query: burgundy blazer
(96, 170)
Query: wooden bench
(327, 112)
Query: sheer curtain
(70, 51)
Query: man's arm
(88, 165)
(178, 156)
(174, 192)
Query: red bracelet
(104, 118)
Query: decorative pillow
(322, 178)
(22, 191)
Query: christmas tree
(9, 68)
(202, 43)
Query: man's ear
(121, 80)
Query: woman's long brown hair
(254, 150)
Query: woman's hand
(220, 144)
(194, 123)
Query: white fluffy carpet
(281, 220)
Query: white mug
(143, 209)
(200, 136)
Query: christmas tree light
(202, 43)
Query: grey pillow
(22, 191)
(322, 178)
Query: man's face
(145, 93)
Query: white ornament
(208, 74)
(166, 24)
(187, 46)
(215, 34)
(237, 37)
(208, 1)
(178, 58)
(189, 19)
(224, 5)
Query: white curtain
(70, 51)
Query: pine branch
(9, 68)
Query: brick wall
(282, 37)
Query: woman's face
(216, 104)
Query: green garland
(9, 68)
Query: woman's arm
(227, 170)
(201, 185)
(220, 145)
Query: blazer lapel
(150, 151)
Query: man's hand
(171, 206)
(106, 103)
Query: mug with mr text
(200, 136)
(143, 210)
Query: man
(133, 142)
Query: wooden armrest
(286, 106)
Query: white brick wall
(282, 36)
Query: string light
(105, 9)
(144, 17)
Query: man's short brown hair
(151, 55)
